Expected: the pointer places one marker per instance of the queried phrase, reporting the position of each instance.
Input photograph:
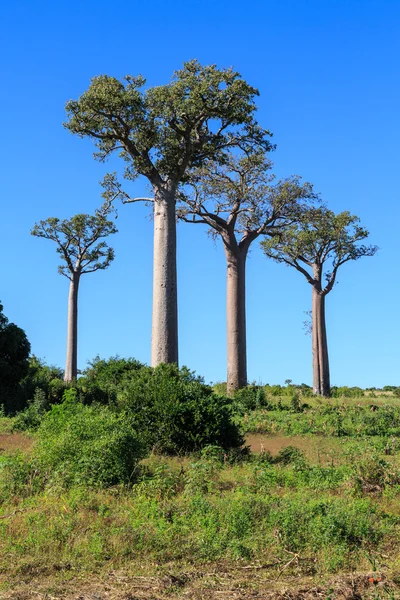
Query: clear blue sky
(328, 75)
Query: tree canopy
(78, 242)
(320, 238)
(241, 196)
(14, 355)
(164, 130)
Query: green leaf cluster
(78, 242)
(317, 238)
(165, 130)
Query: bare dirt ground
(243, 583)
(11, 442)
(316, 449)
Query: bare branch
(131, 200)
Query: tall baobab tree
(239, 201)
(320, 240)
(78, 244)
(161, 133)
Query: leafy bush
(176, 412)
(103, 379)
(346, 392)
(45, 377)
(87, 445)
(250, 398)
(14, 353)
(289, 455)
(31, 417)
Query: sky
(328, 76)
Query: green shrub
(327, 420)
(103, 379)
(31, 417)
(220, 388)
(87, 445)
(290, 455)
(250, 398)
(176, 412)
(44, 377)
(371, 473)
(346, 392)
(295, 402)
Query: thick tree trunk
(164, 341)
(321, 378)
(236, 319)
(71, 366)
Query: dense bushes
(37, 377)
(14, 353)
(87, 445)
(176, 412)
(80, 445)
(103, 379)
(172, 408)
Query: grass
(6, 425)
(319, 509)
(330, 419)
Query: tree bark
(236, 319)
(164, 340)
(71, 366)
(321, 378)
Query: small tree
(161, 133)
(239, 202)
(320, 240)
(14, 363)
(78, 245)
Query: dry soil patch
(11, 442)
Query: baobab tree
(320, 240)
(239, 201)
(161, 133)
(78, 245)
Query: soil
(316, 449)
(11, 442)
(242, 583)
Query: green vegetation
(14, 353)
(329, 420)
(90, 495)
(174, 411)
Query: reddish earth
(317, 449)
(10, 442)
